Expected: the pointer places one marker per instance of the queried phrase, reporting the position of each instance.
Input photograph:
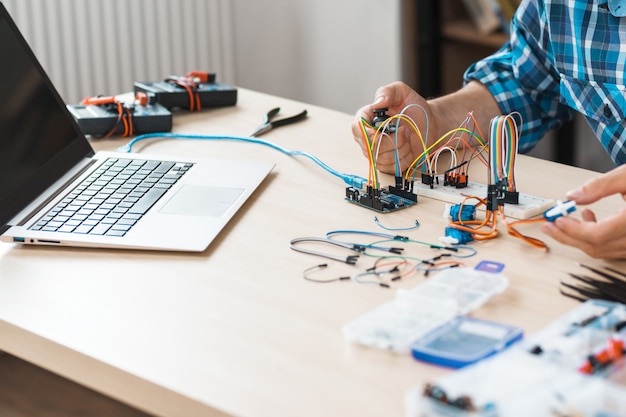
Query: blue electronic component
(467, 212)
(460, 236)
(560, 209)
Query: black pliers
(268, 124)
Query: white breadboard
(529, 206)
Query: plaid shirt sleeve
(563, 56)
(522, 76)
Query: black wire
(305, 275)
(350, 259)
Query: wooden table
(236, 330)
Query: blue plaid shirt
(563, 56)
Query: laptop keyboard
(113, 198)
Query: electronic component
(403, 189)
(439, 400)
(500, 196)
(454, 236)
(504, 134)
(194, 91)
(528, 206)
(572, 367)
(380, 115)
(460, 212)
(105, 116)
(454, 177)
(494, 198)
(586, 339)
(428, 178)
(561, 208)
(380, 200)
(601, 360)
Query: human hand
(600, 239)
(395, 97)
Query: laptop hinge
(60, 190)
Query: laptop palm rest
(198, 200)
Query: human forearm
(450, 110)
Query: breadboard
(529, 206)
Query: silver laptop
(55, 191)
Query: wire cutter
(269, 124)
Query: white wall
(91, 47)
(329, 53)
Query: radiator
(100, 47)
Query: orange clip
(141, 98)
(613, 351)
(201, 76)
(99, 100)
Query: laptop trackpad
(198, 200)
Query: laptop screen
(39, 140)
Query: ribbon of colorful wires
(463, 143)
(503, 143)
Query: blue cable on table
(350, 179)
